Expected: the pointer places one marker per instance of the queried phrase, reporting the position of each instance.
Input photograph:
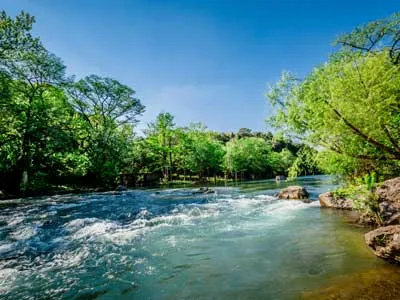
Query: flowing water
(239, 243)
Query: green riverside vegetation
(348, 108)
(57, 132)
(348, 111)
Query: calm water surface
(240, 243)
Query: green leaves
(349, 106)
(375, 36)
(256, 157)
(105, 102)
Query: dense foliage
(348, 109)
(57, 131)
(54, 130)
(168, 153)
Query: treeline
(56, 130)
(167, 152)
(349, 107)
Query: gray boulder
(329, 200)
(389, 201)
(385, 242)
(293, 192)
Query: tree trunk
(26, 149)
(170, 159)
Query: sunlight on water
(240, 243)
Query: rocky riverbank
(385, 239)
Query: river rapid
(239, 243)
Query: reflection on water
(240, 243)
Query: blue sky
(207, 61)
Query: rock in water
(121, 188)
(293, 192)
(204, 190)
(389, 201)
(385, 242)
(328, 199)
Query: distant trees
(205, 154)
(255, 158)
(160, 139)
(195, 151)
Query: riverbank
(59, 190)
(53, 190)
(378, 205)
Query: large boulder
(328, 199)
(293, 192)
(385, 242)
(389, 201)
(389, 190)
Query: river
(239, 243)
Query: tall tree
(29, 71)
(161, 136)
(110, 111)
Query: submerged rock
(328, 199)
(307, 201)
(385, 242)
(389, 201)
(293, 192)
(204, 190)
(121, 188)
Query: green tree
(252, 156)
(110, 111)
(205, 154)
(29, 73)
(349, 107)
(161, 138)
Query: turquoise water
(239, 243)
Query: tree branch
(359, 133)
